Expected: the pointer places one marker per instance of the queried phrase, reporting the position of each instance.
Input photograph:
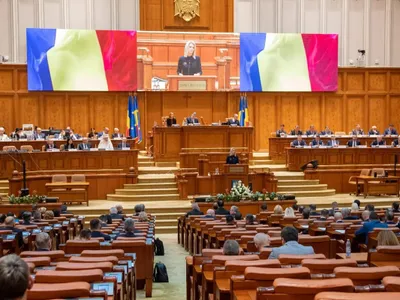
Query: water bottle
(348, 249)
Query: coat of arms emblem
(187, 9)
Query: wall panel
(27, 16)
(6, 27)
(268, 20)
(290, 19)
(53, 14)
(311, 19)
(394, 42)
(377, 32)
(102, 16)
(78, 14)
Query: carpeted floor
(174, 260)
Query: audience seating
(42, 291)
(364, 276)
(356, 296)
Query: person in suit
(18, 134)
(38, 135)
(324, 215)
(396, 142)
(316, 142)
(333, 142)
(115, 215)
(71, 135)
(210, 214)
(9, 224)
(357, 130)
(95, 227)
(235, 213)
(296, 131)
(379, 141)
(195, 211)
(334, 208)
(123, 144)
(234, 120)
(299, 142)
(43, 242)
(311, 131)
(231, 247)
(290, 239)
(3, 135)
(117, 134)
(326, 131)
(374, 222)
(92, 133)
(105, 131)
(171, 120)
(391, 130)
(50, 145)
(373, 131)
(84, 145)
(249, 219)
(281, 131)
(232, 158)
(189, 63)
(313, 210)
(221, 210)
(389, 216)
(261, 241)
(338, 217)
(69, 145)
(354, 142)
(129, 228)
(395, 207)
(192, 119)
(346, 213)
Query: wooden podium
(191, 83)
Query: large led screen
(81, 60)
(274, 62)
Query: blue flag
(135, 121)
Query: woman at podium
(189, 63)
(232, 159)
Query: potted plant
(29, 199)
(272, 196)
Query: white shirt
(107, 145)
(4, 137)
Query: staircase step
(164, 223)
(141, 198)
(166, 164)
(284, 182)
(170, 216)
(4, 183)
(327, 192)
(156, 178)
(4, 189)
(145, 164)
(273, 168)
(157, 170)
(282, 175)
(289, 188)
(171, 184)
(166, 229)
(145, 192)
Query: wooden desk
(278, 145)
(69, 191)
(297, 157)
(169, 141)
(79, 161)
(359, 257)
(18, 208)
(378, 185)
(385, 263)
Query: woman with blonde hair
(278, 210)
(143, 217)
(387, 238)
(354, 207)
(289, 213)
(189, 63)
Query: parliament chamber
(199, 149)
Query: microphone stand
(24, 190)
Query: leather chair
(59, 178)
(76, 246)
(327, 266)
(27, 148)
(292, 259)
(55, 255)
(38, 261)
(241, 265)
(68, 266)
(85, 260)
(43, 291)
(50, 276)
(392, 284)
(365, 276)
(352, 181)
(320, 244)
(100, 253)
(356, 296)
(221, 259)
(9, 148)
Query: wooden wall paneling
(219, 107)
(201, 103)
(311, 111)
(355, 81)
(79, 111)
(103, 110)
(55, 111)
(394, 108)
(6, 112)
(154, 109)
(27, 109)
(377, 111)
(333, 112)
(355, 108)
(265, 120)
(178, 104)
(288, 108)
(377, 81)
(150, 15)
(6, 80)
(394, 82)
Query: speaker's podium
(191, 83)
(234, 173)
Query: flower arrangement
(29, 199)
(239, 190)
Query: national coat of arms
(187, 9)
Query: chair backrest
(291, 286)
(241, 265)
(389, 249)
(100, 253)
(38, 261)
(85, 260)
(78, 178)
(54, 255)
(356, 296)
(51, 276)
(41, 291)
(365, 172)
(221, 259)
(211, 252)
(77, 246)
(293, 259)
(27, 148)
(68, 266)
(326, 266)
(321, 244)
(9, 148)
(59, 178)
(364, 276)
(391, 283)
(268, 275)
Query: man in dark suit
(192, 119)
(373, 131)
(123, 144)
(38, 135)
(396, 143)
(84, 145)
(195, 211)
(316, 142)
(354, 142)
(395, 207)
(281, 131)
(324, 215)
(221, 210)
(313, 210)
(357, 130)
(326, 131)
(346, 213)
(334, 208)
(116, 134)
(43, 242)
(296, 131)
(114, 214)
(333, 142)
(50, 145)
(171, 120)
(389, 215)
(299, 142)
(374, 222)
(391, 130)
(9, 224)
(95, 227)
(311, 131)
(378, 142)
(234, 120)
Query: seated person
(298, 142)
(230, 220)
(365, 215)
(171, 120)
(105, 220)
(346, 214)
(306, 213)
(354, 142)
(311, 131)
(138, 209)
(95, 227)
(281, 131)
(69, 145)
(313, 210)
(48, 215)
(9, 224)
(396, 142)
(290, 238)
(143, 217)
(84, 235)
(92, 133)
(261, 241)
(192, 119)
(387, 238)
(357, 130)
(123, 144)
(38, 134)
(235, 213)
(249, 219)
(324, 215)
(389, 216)
(117, 134)
(296, 131)
(85, 144)
(115, 215)
(338, 217)
(64, 210)
(195, 211)
(374, 222)
(210, 214)
(395, 207)
(50, 145)
(316, 142)
(120, 209)
(61, 136)
(129, 228)
(231, 247)
(105, 131)
(234, 120)
(18, 134)
(378, 142)
(105, 143)
(221, 210)
(369, 207)
(326, 131)
(3, 135)
(264, 207)
(333, 142)
(73, 136)
(391, 130)
(373, 131)
(43, 242)
(26, 216)
(37, 216)
(232, 158)
(334, 208)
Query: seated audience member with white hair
(195, 211)
(105, 143)
(365, 215)
(15, 278)
(235, 213)
(117, 134)
(105, 131)
(338, 217)
(120, 209)
(143, 217)
(129, 228)
(9, 224)
(231, 247)
(43, 242)
(289, 213)
(3, 135)
(210, 214)
(354, 207)
(346, 214)
(114, 214)
(261, 240)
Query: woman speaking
(189, 63)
